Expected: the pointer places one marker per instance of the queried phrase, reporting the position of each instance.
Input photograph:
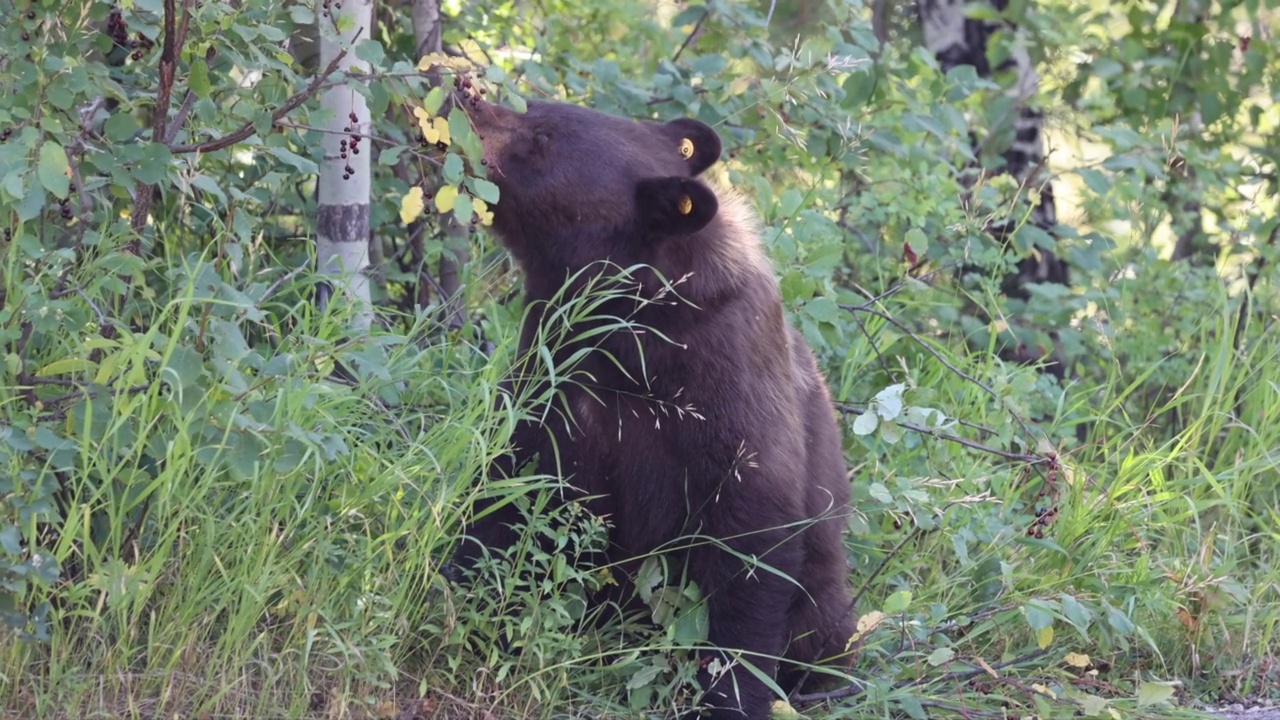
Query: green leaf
(120, 127)
(54, 169)
(888, 401)
(940, 656)
(866, 423)
(789, 203)
(11, 539)
(453, 168)
(1154, 693)
(198, 81)
(823, 310)
(13, 186)
(152, 163)
(434, 99)
(918, 241)
(462, 209)
(306, 166)
(1095, 180)
(483, 189)
(897, 602)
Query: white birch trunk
(342, 222)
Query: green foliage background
(198, 517)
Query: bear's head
(578, 185)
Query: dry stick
(1242, 317)
(937, 355)
(174, 38)
(697, 27)
(1019, 457)
(852, 690)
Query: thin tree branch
(247, 130)
(1017, 457)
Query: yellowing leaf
(1077, 660)
(868, 622)
(985, 666)
(1092, 705)
(430, 60)
(434, 129)
(782, 710)
(446, 197)
(483, 213)
(1153, 693)
(61, 367)
(107, 370)
(1044, 638)
(441, 127)
(424, 120)
(411, 205)
(1044, 690)
(739, 86)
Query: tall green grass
(243, 534)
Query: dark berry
(346, 177)
(355, 150)
(342, 155)
(441, 146)
(31, 14)
(353, 116)
(25, 37)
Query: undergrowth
(203, 517)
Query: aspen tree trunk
(342, 222)
(959, 40)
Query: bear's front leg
(747, 610)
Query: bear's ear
(695, 142)
(675, 205)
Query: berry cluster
(118, 29)
(331, 5)
(470, 93)
(1048, 512)
(6, 134)
(64, 205)
(349, 144)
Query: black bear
(754, 470)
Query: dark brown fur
(758, 463)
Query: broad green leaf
(198, 80)
(898, 602)
(940, 656)
(54, 170)
(1154, 693)
(462, 209)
